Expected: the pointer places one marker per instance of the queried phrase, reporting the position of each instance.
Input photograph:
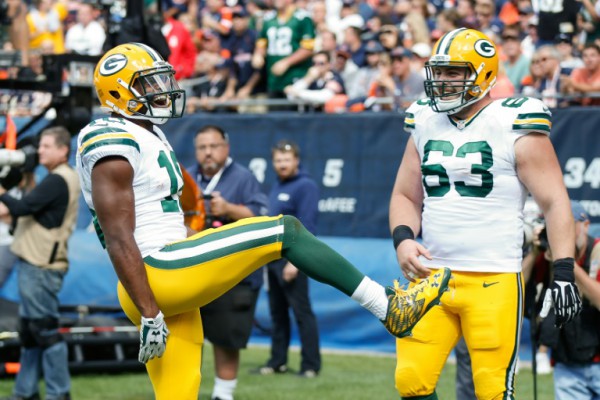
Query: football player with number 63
(466, 171)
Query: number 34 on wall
(577, 173)
(332, 174)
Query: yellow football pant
(189, 274)
(487, 309)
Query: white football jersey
(157, 178)
(473, 207)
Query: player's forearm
(404, 211)
(407, 195)
(129, 266)
(561, 228)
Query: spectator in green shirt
(285, 46)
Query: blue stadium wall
(354, 158)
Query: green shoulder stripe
(107, 142)
(531, 127)
(536, 121)
(534, 115)
(409, 121)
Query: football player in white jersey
(131, 182)
(462, 183)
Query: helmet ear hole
(115, 94)
(487, 76)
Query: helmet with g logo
(133, 80)
(473, 59)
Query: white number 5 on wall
(333, 172)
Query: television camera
(68, 78)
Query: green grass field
(344, 376)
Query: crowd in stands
(339, 55)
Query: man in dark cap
(408, 83)
(568, 62)
(366, 75)
(243, 78)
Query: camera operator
(232, 193)
(14, 32)
(575, 346)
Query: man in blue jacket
(232, 193)
(295, 193)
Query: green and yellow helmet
(133, 80)
(461, 48)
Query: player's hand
(408, 253)
(562, 294)
(153, 338)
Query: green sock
(316, 259)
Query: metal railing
(259, 104)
